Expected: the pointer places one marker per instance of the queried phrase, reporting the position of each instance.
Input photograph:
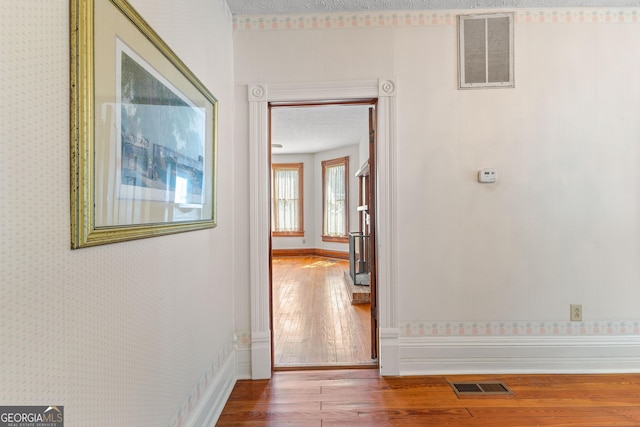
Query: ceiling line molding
(412, 18)
(253, 7)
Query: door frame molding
(259, 97)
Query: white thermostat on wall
(487, 176)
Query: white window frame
(344, 236)
(299, 229)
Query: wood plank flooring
(360, 397)
(314, 322)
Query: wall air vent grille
(485, 51)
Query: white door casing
(259, 97)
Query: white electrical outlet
(576, 312)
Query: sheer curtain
(286, 200)
(335, 201)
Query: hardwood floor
(314, 322)
(361, 398)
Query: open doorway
(323, 299)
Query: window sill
(338, 239)
(287, 233)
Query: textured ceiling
(271, 7)
(319, 128)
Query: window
(486, 50)
(287, 213)
(335, 207)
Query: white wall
(561, 224)
(128, 334)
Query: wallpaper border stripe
(391, 19)
(521, 328)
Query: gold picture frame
(143, 131)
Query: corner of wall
(207, 403)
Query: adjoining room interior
(321, 315)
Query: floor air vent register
(491, 388)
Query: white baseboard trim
(244, 362)
(534, 354)
(389, 355)
(215, 397)
(260, 355)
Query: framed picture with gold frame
(143, 130)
